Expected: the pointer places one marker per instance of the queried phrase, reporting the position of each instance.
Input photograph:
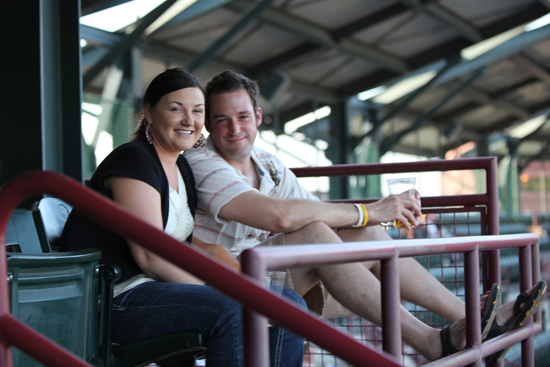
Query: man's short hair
(228, 82)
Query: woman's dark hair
(166, 82)
(228, 82)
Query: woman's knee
(294, 297)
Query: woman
(150, 177)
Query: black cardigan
(138, 160)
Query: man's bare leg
(355, 287)
(417, 285)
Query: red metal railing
(242, 288)
(258, 260)
(251, 292)
(486, 204)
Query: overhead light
(482, 47)
(178, 7)
(363, 96)
(541, 22)
(293, 125)
(404, 87)
(384, 94)
(117, 17)
(528, 127)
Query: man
(246, 193)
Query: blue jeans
(154, 309)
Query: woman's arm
(144, 201)
(219, 252)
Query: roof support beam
(482, 97)
(408, 99)
(369, 20)
(540, 109)
(466, 132)
(387, 145)
(471, 33)
(126, 42)
(337, 36)
(324, 38)
(506, 49)
(91, 55)
(156, 50)
(98, 6)
(100, 36)
(545, 3)
(453, 46)
(437, 11)
(251, 14)
(531, 66)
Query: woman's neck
(168, 161)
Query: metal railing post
(391, 305)
(5, 350)
(473, 311)
(526, 282)
(255, 334)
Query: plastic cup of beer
(275, 282)
(399, 186)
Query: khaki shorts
(308, 285)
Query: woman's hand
(222, 254)
(219, 252)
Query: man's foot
(514, 315)
(489, 302)
(453, 337)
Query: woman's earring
(201, 142)
(148, 134)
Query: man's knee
(314, 232)
(374, 233)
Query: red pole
(391, 306)
(473, 312)
(526, 282)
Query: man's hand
(403, 207)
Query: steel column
(41, 127)
(61, 87)
(137, 79)
(339, 150)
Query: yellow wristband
(365, 216)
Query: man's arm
(280, 215)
